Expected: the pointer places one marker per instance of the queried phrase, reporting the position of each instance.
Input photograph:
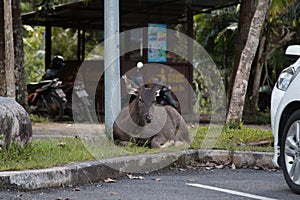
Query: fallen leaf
(156, 179)
(233, 166)
(76, 188)
(211, 164)
(182, 170)
(62, 144)
(219, 166)
(130, 176)
(61, 198)
(112, 193)
(256, 167)
(109, 180)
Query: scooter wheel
(51, 107)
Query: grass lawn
(55, 152)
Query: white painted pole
(111, 64)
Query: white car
(285, 119)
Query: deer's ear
(131, 87)
(133, 91)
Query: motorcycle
(78, 102)
(46, 99)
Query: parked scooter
(75, 93)
(45, 99)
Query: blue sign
(157, 43)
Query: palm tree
(237, 101)
(280, 6)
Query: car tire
(290, 152)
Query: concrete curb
(86, 172)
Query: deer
(143, 121)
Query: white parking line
(229, 191)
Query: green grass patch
(55, 152)
(244, 139)
(37, 119)
(43, 153)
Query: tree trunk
(257, 77)
(20, 74)
(237, 102)
(2, 57)
(246, 14)
(9, 49)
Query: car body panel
(281, 99)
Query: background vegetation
(215, 31)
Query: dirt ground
(70, 129)
(62, 129)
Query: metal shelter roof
(133, 13)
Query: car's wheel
(290, 152)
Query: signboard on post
(157, 43)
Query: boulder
(15, 124)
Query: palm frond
(279, 6)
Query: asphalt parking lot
(176, 184)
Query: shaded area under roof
(133, 13)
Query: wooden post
(9, 49)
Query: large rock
(15, 125)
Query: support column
(83, 44)
(79, 36)
(111, 64)
(48, 47)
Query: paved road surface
(175, 185)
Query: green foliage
(64, 42)
(26, 6)
(34, 52)
(215, 31)
(276, 29)
(279, 6)
(258, 118)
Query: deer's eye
(140, 99)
